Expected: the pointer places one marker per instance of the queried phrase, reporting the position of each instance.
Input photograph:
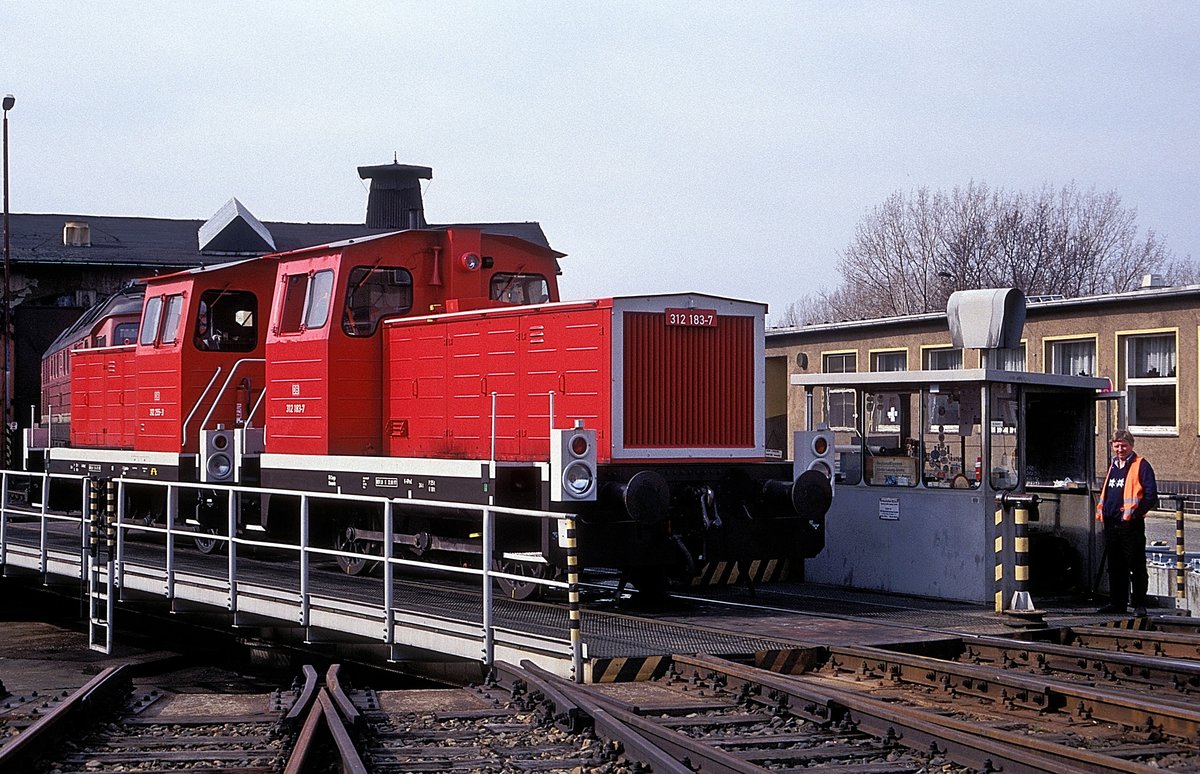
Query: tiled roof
(165, 243)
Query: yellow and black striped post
(999, 549)
(573, 598)
(110, 515)
(1019, 505)
(93, 516)
(1021, 600)
(1180, 571)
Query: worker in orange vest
(1129, 492)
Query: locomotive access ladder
(99, 564)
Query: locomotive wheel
(354, 565)
(206, 543)
(522, 590)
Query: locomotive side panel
(568, 353)
(103, 382)
(441, 406)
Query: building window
(1150, 382)
(1009, 358)
(840, 363)
(840, 403)
(1073, 358)
(889, 361)
(946, 359)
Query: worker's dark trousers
(1126, 542)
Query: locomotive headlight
(469, 261)
(219, 467)
(578, 479)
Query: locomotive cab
(196, 364)
(325, 349)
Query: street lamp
(9, 101)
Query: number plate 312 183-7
(691, 318)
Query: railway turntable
(970, 485)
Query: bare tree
(910, 252)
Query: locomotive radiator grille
(688, 386)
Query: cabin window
(952, 441)
(150, 321)
(372, 293)
(892, 451)
(305, 301)
(320, 290)
(1003, 416)
(125, 333)
(520, 288)
(227, 321)
(171, 317)
(291, 316)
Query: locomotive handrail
(225, 386)
(211, 382)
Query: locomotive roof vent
(233, 230)
(76, 233)
(394, 199)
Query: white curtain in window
(1152, 357)
(1011, 359)
(1075, 358)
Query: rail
(62, 722)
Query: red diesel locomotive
(440, 364)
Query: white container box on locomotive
(932, 464)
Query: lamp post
(9, 101)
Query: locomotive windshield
(372, 293)
(160, 326)
(520, 288)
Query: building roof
(1034, 306)
(156, 243)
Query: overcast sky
(726, 148)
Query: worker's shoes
(1139, 612)
(1113, 610)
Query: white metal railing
(171, 529)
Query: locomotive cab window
(226, 321)
(125, 333)
(305, 301)
(160, 323)
(372, 293)
(520, 288)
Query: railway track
(994, 706)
